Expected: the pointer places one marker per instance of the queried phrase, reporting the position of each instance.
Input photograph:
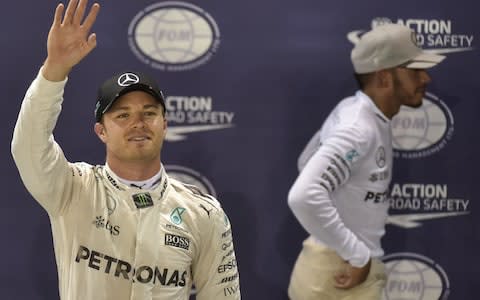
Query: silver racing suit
(113, 241)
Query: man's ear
(100, 131)
(384, 78)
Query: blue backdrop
(248, 83)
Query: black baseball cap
(121, 84)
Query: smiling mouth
(138, 139)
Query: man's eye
(122, 116)
(150, 113)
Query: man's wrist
(53, 72)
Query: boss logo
(177, 241)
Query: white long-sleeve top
(113, 241)
(340, 195)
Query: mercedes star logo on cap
(127, 79)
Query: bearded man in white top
(124, 230)
(340, 195)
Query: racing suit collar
(158, 193)
(148, 184)
(364, 97)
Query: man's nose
(139, 120)
(425, 77)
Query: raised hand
(69, 40)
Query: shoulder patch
(80, 169)
(200, 201)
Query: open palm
(70, 40)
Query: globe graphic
(420, 128)
(189, 176)
(411, 280)
(173, 35)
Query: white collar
(147, 184)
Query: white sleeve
(215, 272)
(39, 159)
(310, 149)
(310, 196)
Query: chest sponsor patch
(145, 274)
(142, 200)
(177, 241)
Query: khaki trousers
(312, 276)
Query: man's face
(409, 86)
(133, 129)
